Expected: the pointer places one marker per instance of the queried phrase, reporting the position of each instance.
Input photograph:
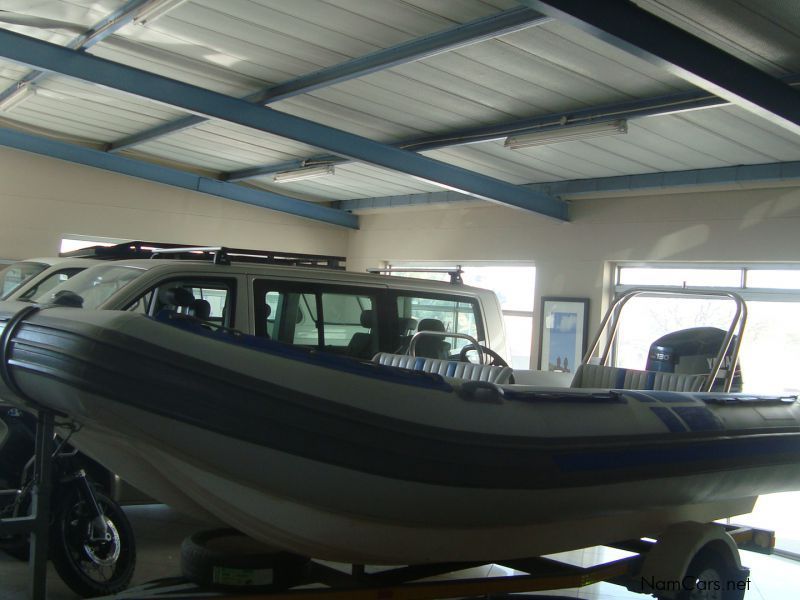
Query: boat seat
(446, 368)
(601, 376)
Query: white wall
(572, 259)
(42, 199)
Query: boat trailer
(654, 567)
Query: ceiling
(446, 79)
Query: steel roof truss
(626, 26)
(207, 103)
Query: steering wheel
(497, 360)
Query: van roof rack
(221, 255)
(455, 272)
(134, 249)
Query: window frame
(477, 309)
(186, 279)
(263, 285)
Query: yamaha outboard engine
(693, 351)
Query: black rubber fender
(228, 559)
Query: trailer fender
(665, 566)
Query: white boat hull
(364, 465)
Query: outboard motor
(693, 351)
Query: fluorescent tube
(16, 97)
(566, 133)
(304, 173)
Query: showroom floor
(159, 531)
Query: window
(429, 312)
(94, 285)
(51, 281)
(514, 286)
(212, 299)
(16, 274)
(76, 242)
(770, 350)
(332, 318)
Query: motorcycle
(91, 541)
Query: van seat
(601, 376)
(446, 368)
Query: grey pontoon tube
(736, 327)
(444, 334)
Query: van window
(213, 299)
(16, 274)
(314, 316)
(49, 282)
(443, 313)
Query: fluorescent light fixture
(16, 97)
(566, 133)
(153, 10)
(304, 173)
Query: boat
(361, 462)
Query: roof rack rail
(455, 273)
(223, 255)
(218, 254)
(134, 249)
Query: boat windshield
(14, 275)
(95, 285)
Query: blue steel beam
(174, 177)
(784, 172)
(634, 109)
(660, 105)
(97, 33)
(640, 33)
(447, 40)
(49, 57)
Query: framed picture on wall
(564, 328)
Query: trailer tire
(710, 577)
(227, 559)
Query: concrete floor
(160, 530)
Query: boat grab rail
(736, 328)
(412, 345)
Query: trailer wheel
(710, 577)
(227, 559)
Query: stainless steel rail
(611, 322)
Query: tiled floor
(160, 530)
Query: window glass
(782, 279)
(440, 314)
(215, 296)
(95, 285)
(49, 282)
(14, 275)
(645, 319)
(326, 319)
(342, 316)
(306, 332)
(514, 286)
(210, 300)
(680, 276)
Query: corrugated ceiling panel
(240, 46)
(353, 181)
(226, 147)
(765, 33)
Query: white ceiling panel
(239, 47)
